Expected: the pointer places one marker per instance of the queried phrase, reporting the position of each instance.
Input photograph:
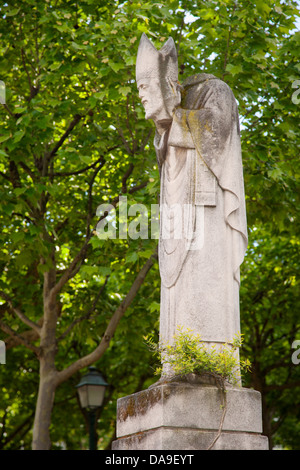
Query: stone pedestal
(185, 416)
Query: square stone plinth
(187, 416)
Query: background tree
(73, 136)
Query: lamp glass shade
(91, 396)
(91, 389)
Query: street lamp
(91, 390)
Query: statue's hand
(178, 113)
(163, 125)
(180, 134)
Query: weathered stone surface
(203, 238)
(203, 233)
(186, 416)
(190, 406)
(190, 439)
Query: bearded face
(159, 98)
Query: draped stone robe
(203, 234)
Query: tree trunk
(47, 387)
(267, 420)
(41, 435)
(50, 377)
(259, 384)
(48, 372)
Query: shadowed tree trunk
(50, 377)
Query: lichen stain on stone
(138, 404)
(126, 409)
(166, 392)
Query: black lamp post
(91, 390)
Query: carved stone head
(157, 79)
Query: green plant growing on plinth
(189, 354)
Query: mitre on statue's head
(151, 63)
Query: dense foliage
(73, 137)
(189, 354)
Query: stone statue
(203, 238)
(203, 232)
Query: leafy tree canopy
(73, 137)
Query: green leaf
(19, 136)
(55, 66)
(12, 12)
(115, 66)
(85, 159)
(234, 69)
(19, 191)
(17, 236)
(3, 138)
(124, 90)
(130, 60)
(77, 47)
(154, 306)
(60, 60)
(131, 257)
(104, 270)
(100, 95)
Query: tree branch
(90, 196)
(83, 170)
(28, 171)
(23, 55)
(33, 90)
(19, 338)
(126, 145)
(75, 265)
(27, 422)
(13, 340)
(8, 110)
(5, 176)
(179, 36)
(228, 43)
(145, 141)
(89, 359)
(29, 220)
(87, 315)
(126, 176)
(48, 156)
(78, 172)
(286, 386)
(20, 314)
(138, 187)
(72, 269)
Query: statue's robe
(201, 173)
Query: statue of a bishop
(203, 232)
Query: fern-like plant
(189, 354)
